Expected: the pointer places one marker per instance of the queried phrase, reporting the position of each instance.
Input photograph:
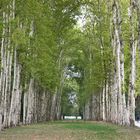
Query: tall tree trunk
(30, 102)
(25, 95)
(133, 45)
(2, 78)
(102, 105)
(118, 51)
(14, 113)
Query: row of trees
(41, 42)
(111, 61)
(33, 44)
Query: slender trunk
(102, 105)
(119, 65)
(133, 66)
(25, 105)
(30, 102)
(13, 96)
(4, 89)
(2, 76)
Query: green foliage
(19, 37)
(39, 39)
(126, 68)
(48, 41)
(70, 106)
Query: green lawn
(71, 131)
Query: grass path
(71, 131)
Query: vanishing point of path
(71, 131)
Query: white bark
(15, 96)
(106, 102)
(30, 102)
(126, 120)
(2, 78)
(102, 105)
(133, 45)
(118, 52)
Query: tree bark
(133, 45)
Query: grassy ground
(71, 131)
